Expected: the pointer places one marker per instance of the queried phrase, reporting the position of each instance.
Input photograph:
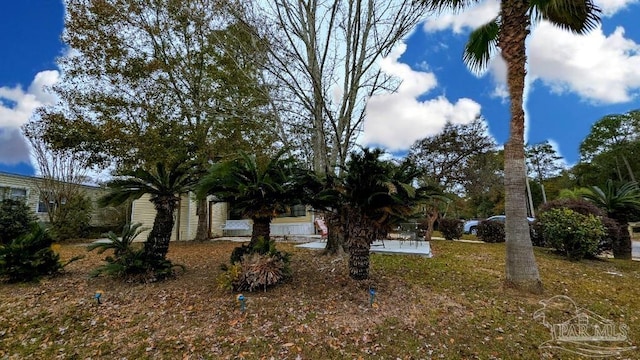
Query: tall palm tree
(165, 185)
(373, 194)
(259, 191)
(508, 32)
(621, 203)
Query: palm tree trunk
(336, 233)
(622, 245)
(261, 229)
(202, 210)
(157, 244)
(521, 268)
(360, 234)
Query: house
(299, 221)
(30, 189)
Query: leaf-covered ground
(452, 306)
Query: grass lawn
(452, 306)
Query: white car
(471, 226)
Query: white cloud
(469, 19)
(597, 67)
(16, 107)
(395, 121)
(13, 147)
(610, 7)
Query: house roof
(27, 177)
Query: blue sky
(573, 81)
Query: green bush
(451, 228)
(129, 261)
(571, 233)
(71, 220)
(583, 207)
(15, 220)
(491, 231)
(29, 256)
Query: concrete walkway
(422, 248)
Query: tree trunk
(336, 234)
(622, 245)
(261, 229)
(521, 268)
(432, 215)
(157, 244)
(202, 210)
(360, 234)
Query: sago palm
(165, 184)
(374, 193)
(508, 32)
(259, 191)
(620, 203)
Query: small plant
(491, 231)
(130, 261)
(254, 267)
(260, 271)
(120, 245)
(571, 233)
(15, 220)
(230, 275)
(451, 228)
(29, 256)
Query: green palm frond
(160, 181)
(261, 189)
(579, 16)
(615, 200)
(481, 47)
(443, 5)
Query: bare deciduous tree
(326, 58)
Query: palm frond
(481, 47)
(579, 16)
(443, 5)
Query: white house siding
(299, 225)
(142, 212)
(185, 219)
(30, 184)
(218, 216)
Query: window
(18, 194)
(13, 193)
(46, 202)
(295, 211)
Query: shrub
(451, 228)
(571, 233)
(254, 267)
(583, 207)
(71, 220)
(29, 256)
(260, 271)
(491, 231)
(578, 205)
(15, 220)
(129, 260)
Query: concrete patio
(422, 248)
(315, 242)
